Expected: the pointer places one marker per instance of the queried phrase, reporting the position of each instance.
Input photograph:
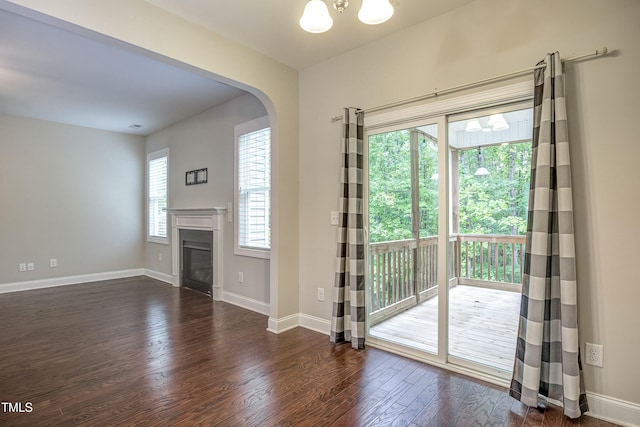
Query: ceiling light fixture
(316, 18)
(481, 171)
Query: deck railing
(480, 260)
(490, 258)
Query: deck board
(483, 326)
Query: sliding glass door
(446, 217)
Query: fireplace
(202, 255)
(197, 262)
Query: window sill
(253, 253)
(159, 240)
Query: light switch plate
(335, 218)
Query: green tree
(495, 203)
(491, 204)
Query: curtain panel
(548, 352)
(348, 318)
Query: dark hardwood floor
(140, 352)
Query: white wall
(70, 193)
(481, 40)
(207, 141)
(150, 30)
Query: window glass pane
(254, 192)
(491, 161)
(403, 237)
(389, 186)
(157, 197)
(428, 179)
(494, 158)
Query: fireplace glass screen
(197, 261)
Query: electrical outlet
(53, 263)
(31, 266)
(22, 266)
(160, 256)
(594, 354)
(241, 277)
(320, 294)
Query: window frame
(240, 130)
(155, 155)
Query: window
(253, 188)
(157, 192)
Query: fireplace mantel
(208, 219)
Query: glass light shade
(481, 172)
(501, 126)
(495, 118)
(498, 122)
(316, 18)
(473, 126)
(375, 12)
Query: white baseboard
(278, 326)
(163, 277)
(69, 280)
(613, 410)
(307, 321)
(315, 323)
(246, 302)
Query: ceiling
(271, 26)
(53, 74)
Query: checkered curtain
(548, 353)
(347, 321)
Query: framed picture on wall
(190, 178)
(201, 176)
(197, 176)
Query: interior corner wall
(483, 39)
(70, 193)
(158, 32)
(207, 141)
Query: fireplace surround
(210, 220)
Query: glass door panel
(490, 159)
(403, 228)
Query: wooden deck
(483, 326)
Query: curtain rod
(598, 52)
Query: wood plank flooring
(483, 326)
(139, 352)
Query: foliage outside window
(496, 203)
(390, 185)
